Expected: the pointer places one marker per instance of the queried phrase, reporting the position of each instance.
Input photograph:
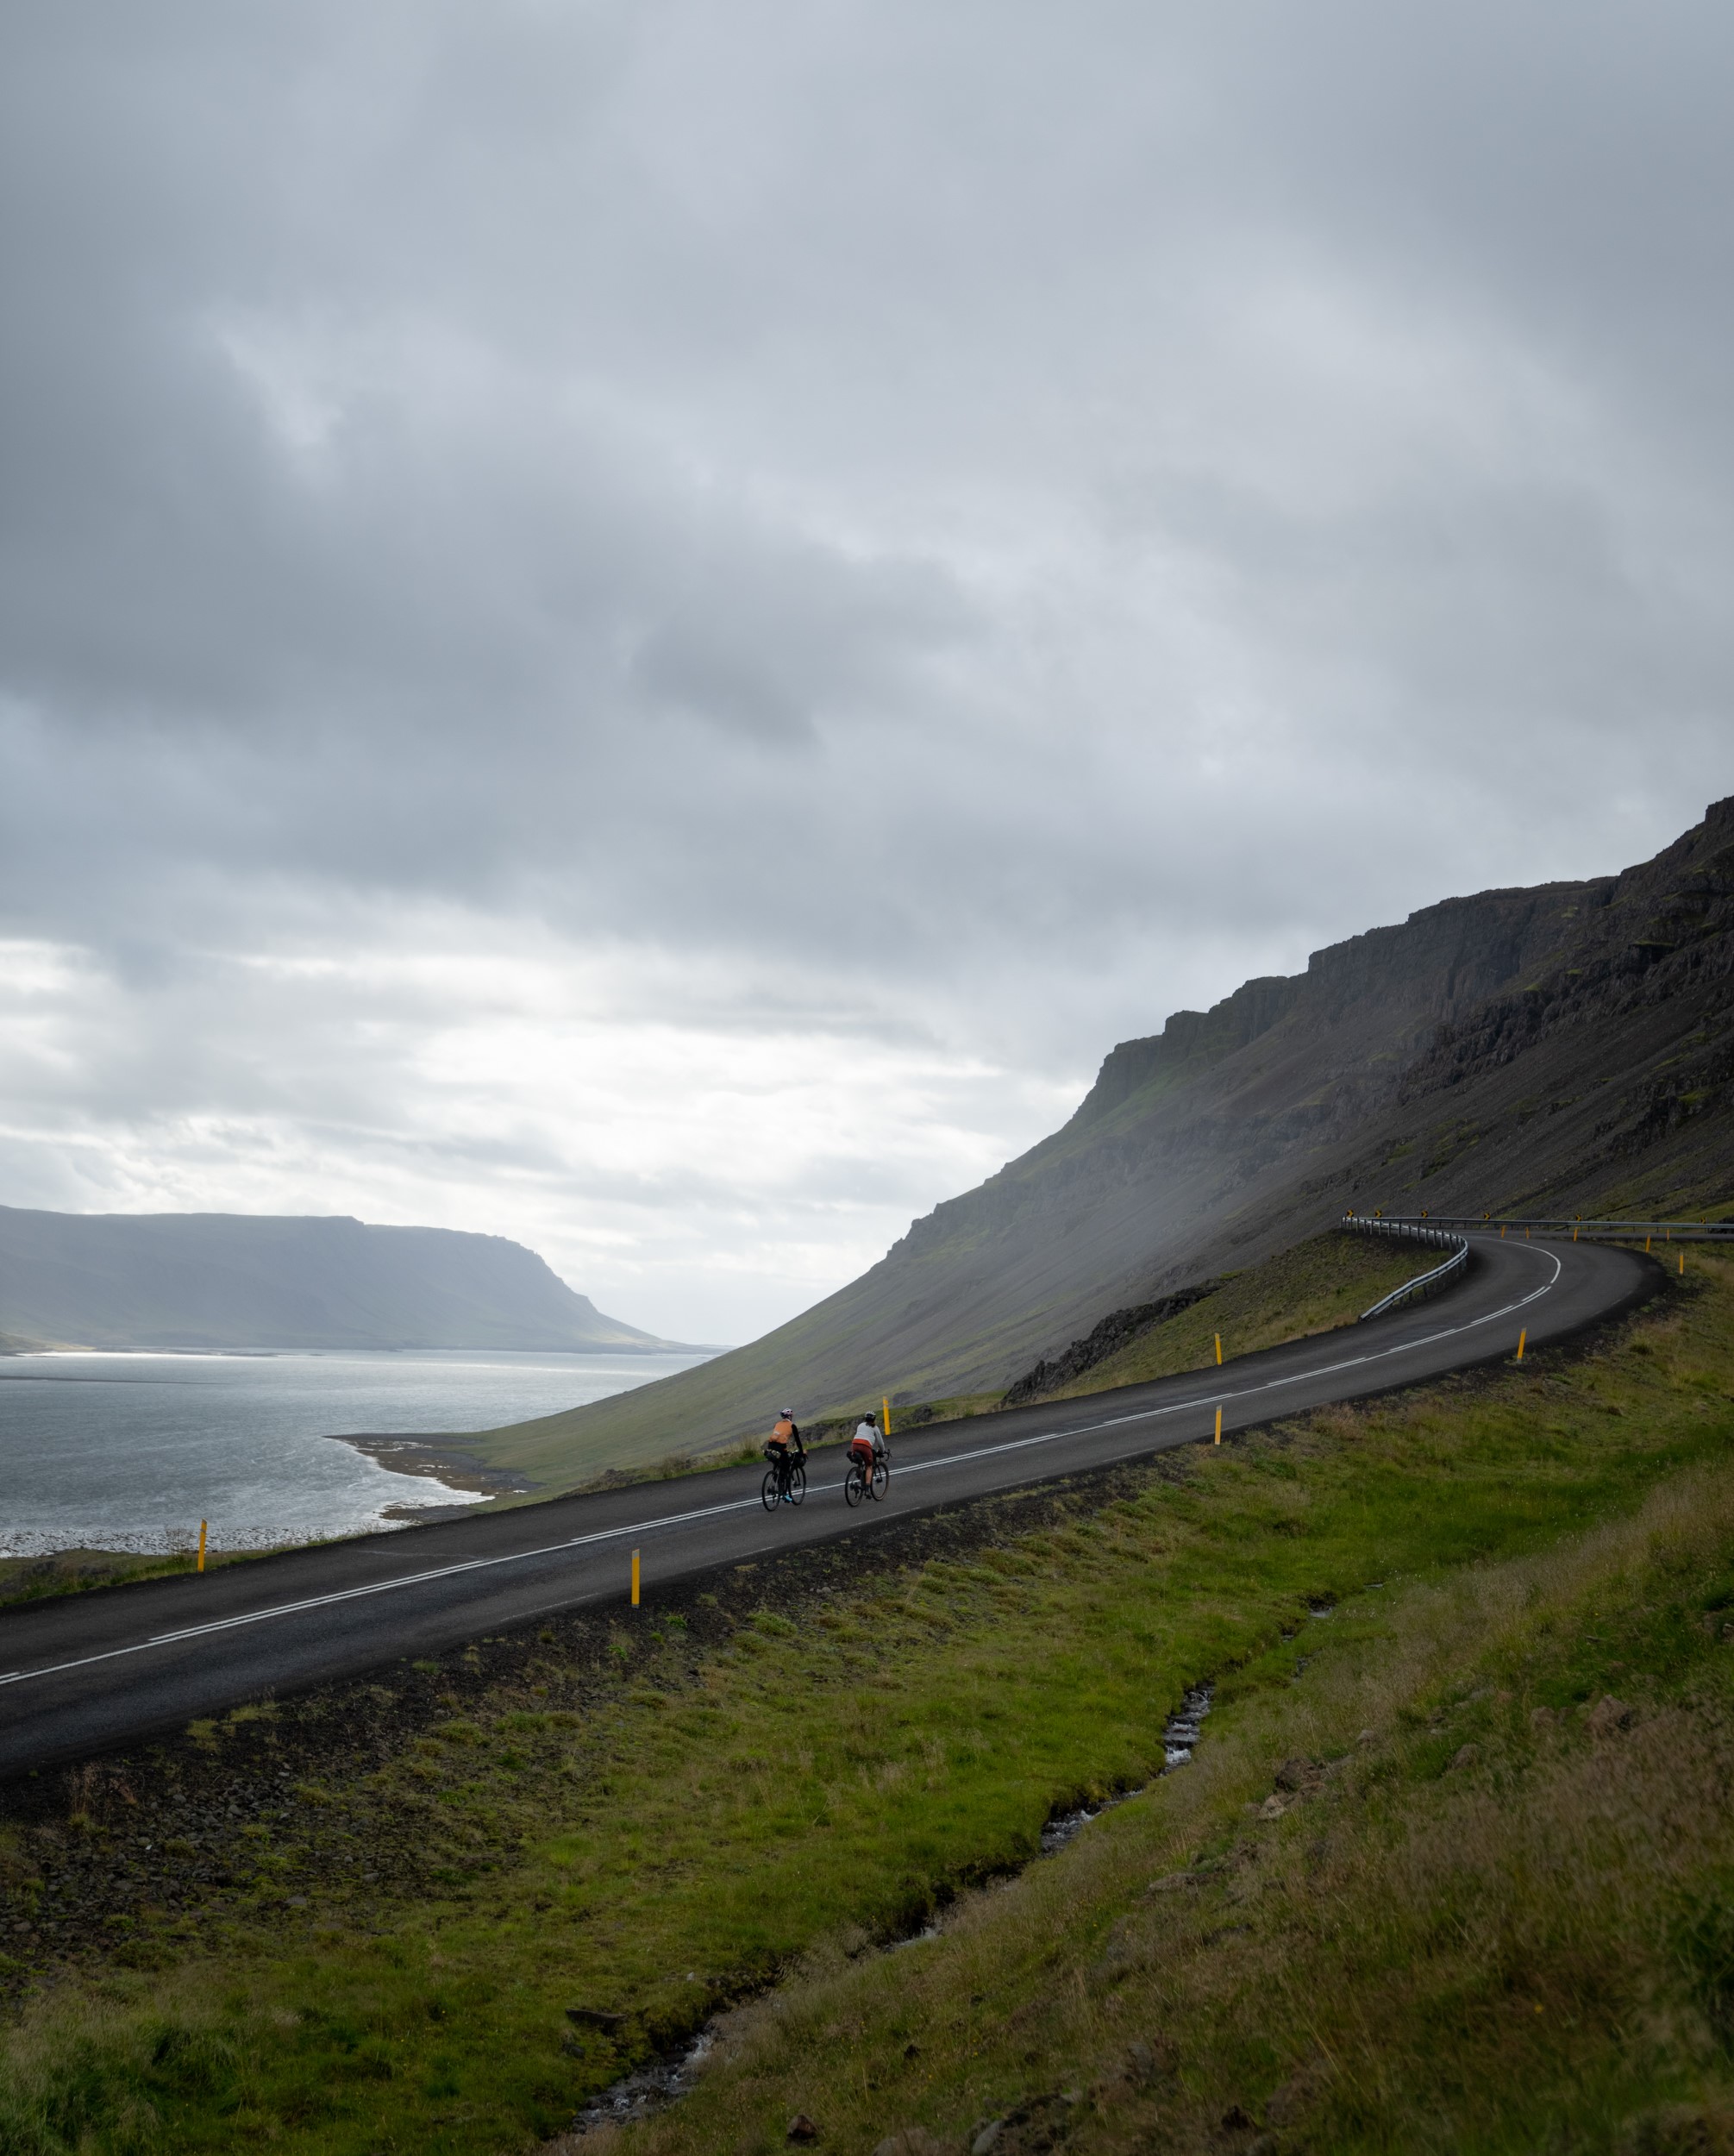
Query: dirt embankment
(1117, 1331)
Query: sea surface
(131, 1451)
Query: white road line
(745, 1504)
(377, 1587)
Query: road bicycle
(770, 1490)
(859, 1485)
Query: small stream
(1180, 1741)
(636, 2095)
(664, 2079)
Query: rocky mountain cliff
(1569, 1048)
(217, 1281)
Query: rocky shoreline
(434, 1459)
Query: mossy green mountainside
(1567, 1048)
(1451, 1867)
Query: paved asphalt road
(92, 1672)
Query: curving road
(96, 1670)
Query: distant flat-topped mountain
(229, 1281)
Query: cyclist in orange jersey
(784, 1450)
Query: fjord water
(130, 1452)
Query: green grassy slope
(1452, 1870)
(771, 1806)
(1326, 1282)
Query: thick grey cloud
(649, 627)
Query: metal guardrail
(1606, 1231)
(1424, 1284)
(1445, 1230)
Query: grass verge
(1326, 1282)
(836, 1770)
(76, 1571)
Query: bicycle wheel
(854, 1486)
(768, 1492)
(882, 1478)
(797, 1481)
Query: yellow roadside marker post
(1682, 1265)
(1218, 1350)
(634, 1579)
(1646, 1246)
(885, 1403)
(201, 1546)
(1217, 1440)
(1522, 1337)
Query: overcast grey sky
(649, 626)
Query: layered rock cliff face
(1569, 1048)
